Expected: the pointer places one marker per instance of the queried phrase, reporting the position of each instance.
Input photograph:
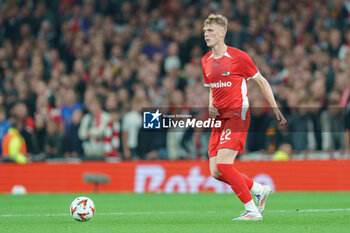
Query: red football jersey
(227, 77)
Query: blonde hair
(216, 19)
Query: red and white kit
(227, 77)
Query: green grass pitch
(166, 213)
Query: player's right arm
(213, 112)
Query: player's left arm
(267, 92)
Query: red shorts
(231, 135)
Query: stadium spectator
(299, 123)
(53, 143)
(347, 134)
(13, 144)
(257, 139)
(335, 40)
(111, 137)
(283, 152)
(175, 137)
(333, 125)
(282, 136)
(131, 124)
(47, 33)
(70, 105)
(43, 107)
(39, 137)
(91, 129)
(345, 47)
(172, 59)
(4, 125)
(25, 125)
(156, 44)
(73, 144)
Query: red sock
(248, 181)
(222, 179)
(236, 180)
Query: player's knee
(226, 156)
(215, 173)
(219, 169)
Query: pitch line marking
(171, 212)
(311, 210)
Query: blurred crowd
(75, 75)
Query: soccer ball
(82, 209)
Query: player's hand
(213, 112)
(280, 116)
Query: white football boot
(261, 199)
(248, 215)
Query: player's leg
(217, 175)
(225, 159)
(235, 139)
(214, 172)
(261, 192)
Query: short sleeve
(248, 68)
(205, 78)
